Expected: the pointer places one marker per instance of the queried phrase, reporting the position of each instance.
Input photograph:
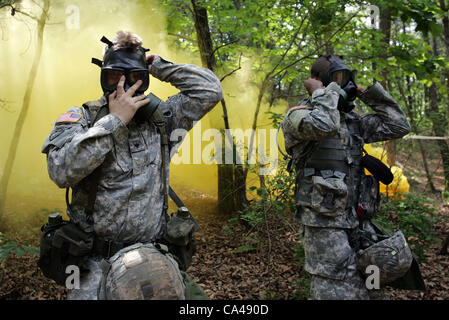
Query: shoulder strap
(159, 121)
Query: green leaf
(244, 248)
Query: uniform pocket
(329, 196)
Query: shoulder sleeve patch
(297, 108)
(69, 117)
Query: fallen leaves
(224, 274)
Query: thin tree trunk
(262, 89)
(439, 122)
(445, 22)
(385, 28)
(231, 183)
(408, 104)
(24, 111)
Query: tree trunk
(231, 183)
(385, 28)
(24, 111)
(408, 103)
(439, 122)
(445, 23)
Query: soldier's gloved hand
(123, 104)
(150, 59)
(312, 85)
(360, 90)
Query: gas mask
(338, 72)
(132, 65)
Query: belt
(107, 248)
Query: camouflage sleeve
(200, 92)
(74, 150)
(321, 122)
(389, 121)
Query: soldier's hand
(150, 59)
(360, 90)
(312, 85)
(123, 104)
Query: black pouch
(369, 197)
(62, 244)
(179, 237)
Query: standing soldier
(325, 138)
(114, 155)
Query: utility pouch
(369, 197)
(329, 195)
(324, 191)
(62, 244)
(179, 237)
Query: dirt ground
(242, 265)
(267, 270)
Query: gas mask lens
(341, 77)
(134, 76)
(111, 77)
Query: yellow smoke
(400, 183)
(66, 78)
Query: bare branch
(183, 37)
(26, 14)
(321, 46)
(4, 105)
(230, 73)
(223, 45)
(289, 46)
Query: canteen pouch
(62, 244)
(179, 237)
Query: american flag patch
(69, 117)
(297, 108)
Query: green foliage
(414, 215)
(275, 118)
(244, 248)
(275, 197)
(12, 247)
(229, 228)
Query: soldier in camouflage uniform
(129, 205)
(326, 145)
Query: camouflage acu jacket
(317, 120)
(129, 202)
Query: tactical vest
(158, 119)
(328, 179)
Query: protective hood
(126, 62)
(340, 73)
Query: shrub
(276, 196)
(414, 215)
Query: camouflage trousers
(330, 261)
(90, 284)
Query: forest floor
(234, 266)
(235, 263)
